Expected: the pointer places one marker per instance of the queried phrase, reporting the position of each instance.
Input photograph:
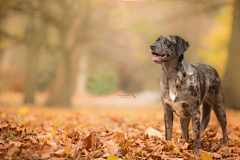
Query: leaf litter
(47, 133)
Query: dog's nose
(153, 46)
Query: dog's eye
(167, 41)
(158, 39)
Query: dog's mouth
(159, 58)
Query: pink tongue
(156, 58)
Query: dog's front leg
(184, 125)
(168, 119)
(196, 131)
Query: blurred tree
(232, 75)
(34, 39)
(72, 31)
(5, 8)
(3, 5)
(32, 31)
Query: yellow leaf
(176, 148)
(206, 157)
(127, 144)
(112, 158)
(53, 133)
(23, 111)
(65, 133)
(67, 150)
(59, 122)
(3, 115)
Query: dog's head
(168, 47)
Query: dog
(184, 87)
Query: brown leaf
(72, 153)
(211, 134)
(111, 147)
(158, 147)
(127, 144)
(16, 143)
(89, 141)
(78, 145)
(13, 151)
(190, 155)
(46, 155)
(97, 153)
(119, 138)
(60, 152)
(185, 146)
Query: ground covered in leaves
(53, 133)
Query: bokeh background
(92, 53)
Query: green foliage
(102, 83)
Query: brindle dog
(184, 87)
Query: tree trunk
(66, 90)
(32, 59)
(82, 72)
(232, 74)
(31, 75)
(61, 90)
(56, 88)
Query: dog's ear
(182, 45)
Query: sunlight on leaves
(23, 111)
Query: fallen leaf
(72, 153)
(153, 132)
(112, 158)
(78, 145)
(89, 141)
(206, 156)
(13, 151)
(176, 148)
(60, 152)
(67, 150)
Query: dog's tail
(206, 113)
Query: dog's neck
(171, 68)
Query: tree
(232, 74)
(69, 21)
(34, 38)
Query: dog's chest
(174, 96)
(180, 108)
(173, 89)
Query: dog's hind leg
(184, 125)
(206, 113)
(216, 100)
(221, 117)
